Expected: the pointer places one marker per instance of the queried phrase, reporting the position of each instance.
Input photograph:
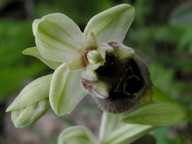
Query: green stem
(108, 123)
(102, 126)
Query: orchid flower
(92, 62)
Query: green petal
(76, 135)
(28, 115)
(65, 90)
(160, 114)
(112, 24)
(34, 52)
(58, 38)
(34, 92)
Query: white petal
(57, 37)
(65, 90)
(34, 92)
(112, 24)
(77, 135)
(34, 52)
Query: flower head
(95, 60)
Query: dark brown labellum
(131, 87)
(129, 82)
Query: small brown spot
(115, 45)
(90, 48)
(84, 60)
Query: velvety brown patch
(129, 83)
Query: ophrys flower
(96, 58)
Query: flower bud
(31, 103)
(28, 115)
(124, 77)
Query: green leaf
(160, 114)
(112, 24)
(160, 96)
(34, 52)
(36, 91)
(58, 38)
(127, 134)
(65, 90)
(76, 135)
(161, 137)
(28, 115)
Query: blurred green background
(161, 33)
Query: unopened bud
(28, 115)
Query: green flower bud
(122, 82)
(28, 115)
(32, 102)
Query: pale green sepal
(28, 115)
(35, 26)
(65, 90)
(112, 24)
(34, 92)
(77, 63)
(34, 52)
(160, 114)
(127, 134)
(58, 38)
(77, 135)
(90, 42)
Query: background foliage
(161, 34)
